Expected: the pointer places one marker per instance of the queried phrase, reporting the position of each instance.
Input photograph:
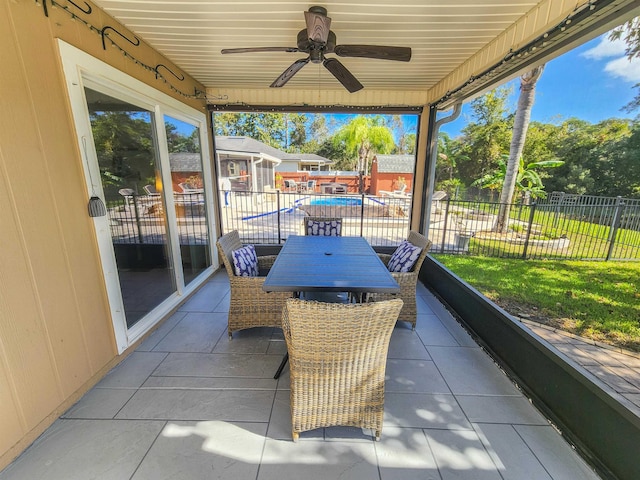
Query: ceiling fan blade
(343, 75)
(401, 54)
(318, 26)
(259, 49)
(289, 72)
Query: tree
(520, 126)
(485, 140)
(296, 127)
(364, 136)
(630, 33)
(267, 128)
(527, 179)
(124, 145)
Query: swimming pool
(337, 201)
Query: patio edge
(589, 414)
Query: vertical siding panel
(53, 169)
(28, 354)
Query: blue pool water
(337, 201)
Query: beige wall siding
(55, 329)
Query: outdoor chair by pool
(250, 306)
(151, 190)
(337, 359)
(290, 186)
(407, 280)
(323, 226)
(311, 186)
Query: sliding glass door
(185, 162)
(127, 153)
(145, 156)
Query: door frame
(81, 69)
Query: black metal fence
(565, 226)
(139, 219)
(270, 217)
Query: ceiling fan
(317, 40)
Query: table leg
(281, 367)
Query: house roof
(396, 163)
(251, 146)
(308, 158)
(248, 145)
(185, 162)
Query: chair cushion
(245, 261)
(330, 228)
(404, 258)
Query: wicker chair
(407, 281)
(250, 306)
(308, 221)
(337, 355)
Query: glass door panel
(125, 143)
(185, 160)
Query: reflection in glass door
(185, 160)
(124, 138)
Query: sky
(592, 82)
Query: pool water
(337, 201)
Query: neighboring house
(304, 162)
(185, 168)
(391, 172)
(249, 164)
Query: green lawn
(597, 300)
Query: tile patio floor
(190, 404)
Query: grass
(596, 300)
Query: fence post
(615, 224)
(278, 207)
(444, 230)
(613, 219)
(526, 241)
(557, 210)
(361, 213)
(137, 214)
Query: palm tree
(363, 136)
(520, 127)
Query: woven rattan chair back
(408, 281)
(337, 355)
(226, 245)
(249, 305)
(323, 226)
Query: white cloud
(624, 69)
(619, 66)
(605, 49)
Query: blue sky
(592, 82)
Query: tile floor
(190, 404)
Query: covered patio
(190, 404)
(85, 395)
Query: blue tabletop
(330, 264)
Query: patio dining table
(328, 264)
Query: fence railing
(270, 217)
(139, 219)
(593, 228)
